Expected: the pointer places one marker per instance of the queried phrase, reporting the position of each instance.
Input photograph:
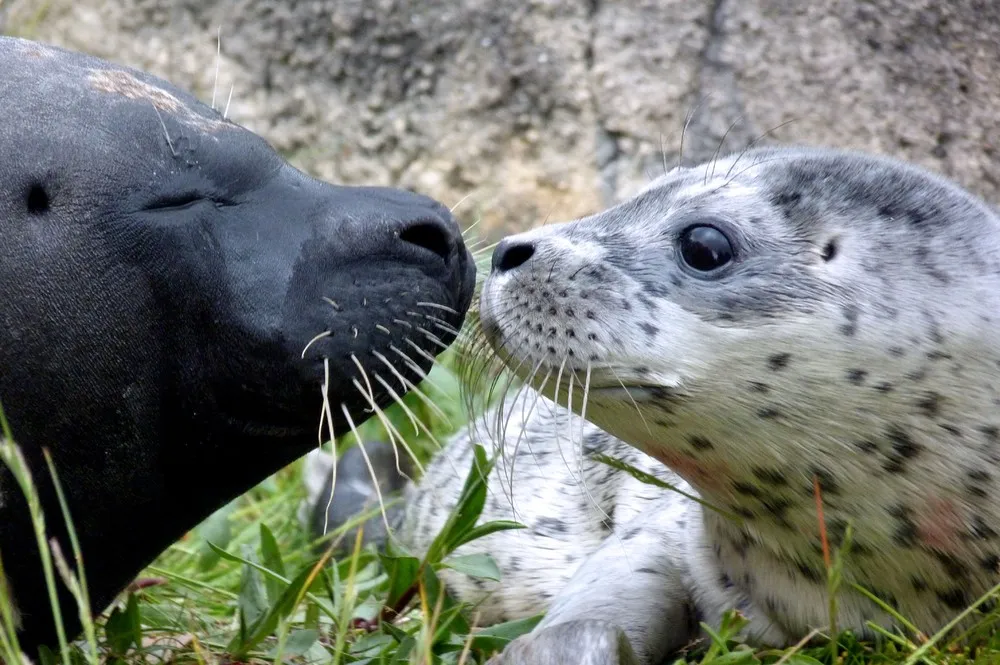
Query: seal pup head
(777, 318)
(174, 297)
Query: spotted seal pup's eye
(705, 248)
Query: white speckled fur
(876, 369)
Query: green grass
(247, 585)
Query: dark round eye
(705, 248)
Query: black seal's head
(175, 301)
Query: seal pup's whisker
(687, 122)
(632, 400)
(718, 148)
(753, 143)
(663, 155)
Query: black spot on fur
(746, 489)
(786, 199)
(777, 507)
(760, 388)
(955, 598)
(856, 376)
(980, 530)
(700, 443)
(930, 404)
(979, 476)
(770, 476)
(991, 432)
(779, 361)
(768, 413)
(867, 446)
(827, 483)
(897, 351)
(991, 564)
(954, 568)
(650, 329)
(884, 387)
(808, 572)
(903, 448)
(918, 583)
(549, 526)
(905, 531)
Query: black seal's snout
(511, 254)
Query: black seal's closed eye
(176, 202)
(705, 248)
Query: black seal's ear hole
(829, 250)
(38, 200)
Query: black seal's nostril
(509, 255)
(430, 235)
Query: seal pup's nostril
(430, 235)
(509, 255)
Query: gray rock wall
(528, 110)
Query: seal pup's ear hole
(38, 200)
(829, 249)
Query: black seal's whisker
(326, 415)
(170, 144)
(325, 333)
(229, 99)
(417, 348)
(368, 463)
(460, 202)
(412, 387)
(436, 305)
(390, 429)
(218, 60)
(424, 376)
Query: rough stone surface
(533, 110)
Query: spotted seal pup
(174, 297)
(745, 330)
